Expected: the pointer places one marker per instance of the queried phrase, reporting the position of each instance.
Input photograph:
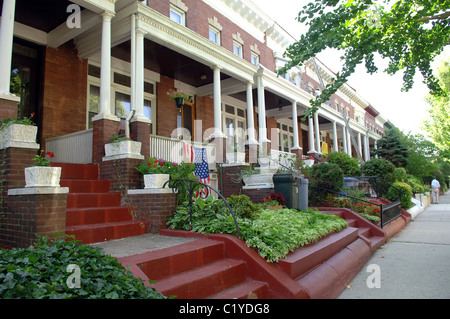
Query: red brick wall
(167, 110)
(122, 173)
(29, 215)
(155, 209)
(205, 113)
(65, 92)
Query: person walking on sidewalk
(436, 188)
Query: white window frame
(115, 87)
(235, 118)
(217, 33)
(288, 133)
(180, 13)
(239, 47)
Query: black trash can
(283, 184)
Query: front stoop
(94, 214)
(196, 270)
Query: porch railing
(172, 150)
(71, 148)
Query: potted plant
(156, 172)
(179, 96)
(274, 201)
(122, 145)
(252, 177)
(18, 132)
(42, 174)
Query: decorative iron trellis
(192, 186)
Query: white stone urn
(42, 176)
(123, 148)
(235, 157)
(18, 135)
(152, 181)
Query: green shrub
(400, 174)
(327, 172)
(415, 183)
(379, 167)
(348, 164)
(40, 272)
(272, 233)
(406, 195)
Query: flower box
(152, 181)
(235, 157)
(18, 135)
(123, 148)
(42, 176)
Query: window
(234, 123)
(255, 59)
(214, 35)
(121, 91)
(177, 15)
(214, 30)
(237, 49)
(285, 137)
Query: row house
(95, 61)
(85, 70)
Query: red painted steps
(196, 270)
(94, 214)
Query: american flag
(199, 157)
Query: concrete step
(91, 200)
(86, 186)
(88, 216)
(78, 171)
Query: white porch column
(262, 113)
(250, 117)
(105, 75)
(366, 148)
(360, 143)
(344, 139)
(317, 128)
(139, 77)
(6, 44)
(217, 104)
(296, 145)
(311, 136)
(375, 146)
(335, 137)
(349, 143)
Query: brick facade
(122, 173)
(64, 92)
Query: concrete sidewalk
(414, 264)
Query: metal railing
(374, 188)
(204, 190)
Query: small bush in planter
(40, 272)
(406, 195)
(348, 164)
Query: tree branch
(441, 16)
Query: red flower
(51, 154)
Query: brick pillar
(31, 212)
(8, 107)
(141, 133)
(122, 173)
(103, 132)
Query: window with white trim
(121, 94)
(237, 49)
(178, 15)
(214, 35)
(234, 122)
(285, 136)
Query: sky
(406, 110)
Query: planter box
(123, 147)
(309, 162)
(236, 157)
(18, 135)
(152, 181)
(42, 176)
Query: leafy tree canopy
(407, 33)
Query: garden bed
(272, 233)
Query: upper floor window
(237, 49)
(178, 11)
(255, 54)
(214, 30)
